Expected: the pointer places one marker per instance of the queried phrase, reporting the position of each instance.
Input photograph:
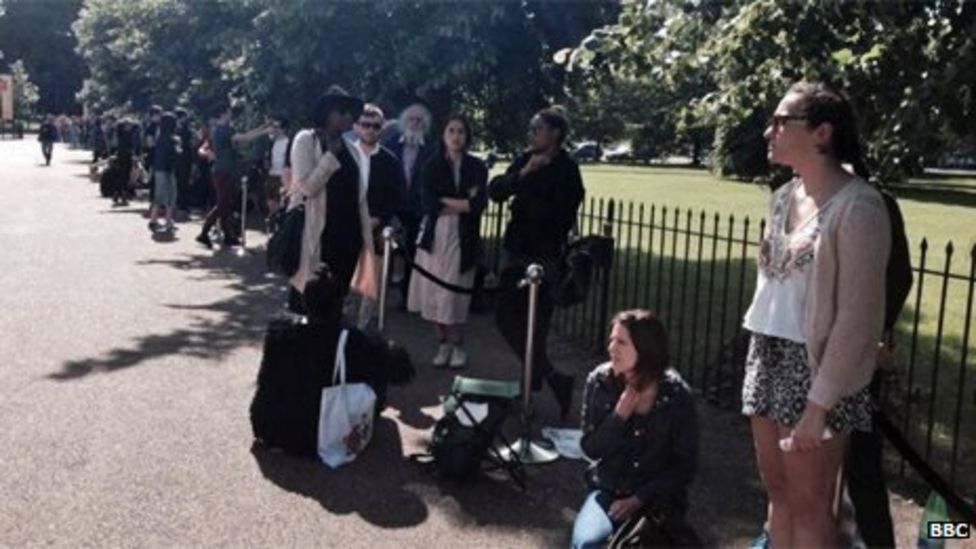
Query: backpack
(463, 443)
(898, 275)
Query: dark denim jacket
(652, 456)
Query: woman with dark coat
(546, 190)
(640, 428)
(449, 245)
(123, 162)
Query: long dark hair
(822, 103)
(468, 132)
(650, 339)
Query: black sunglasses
(370, 125)
(779, 120)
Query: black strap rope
(398, 249)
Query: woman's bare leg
(812, 480)
(765, 435)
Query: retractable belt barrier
(398, 249)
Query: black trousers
(47, 149)
(867, 488)
(182, 173)
(342, 262)
(411, 226)
(511, 317)
(342, 266)
(123, 164)
(296, 303)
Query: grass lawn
(939, 208)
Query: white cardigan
(311, 170)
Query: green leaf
(844, 56)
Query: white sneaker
(459, 359)
(443, 355)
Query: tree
(25, 92)
(902, 63)
(651, 59)
(490, 60)
(173, 52)
(39, 34)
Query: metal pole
(387, 254)
(533, 276)
(526, 450)
(243, 249)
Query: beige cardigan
(311, 170)
(845, 310)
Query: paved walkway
(127, 366)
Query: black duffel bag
(285, 245)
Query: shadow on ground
(204, 335)
(386, 489)
(939, 193)
(374, 487)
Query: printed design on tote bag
(359, 436)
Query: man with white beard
(412, 147)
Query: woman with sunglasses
(817, 314)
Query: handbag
(571, 274)
(285, 245)
(654, 528)
(346, 414)
(365, 279)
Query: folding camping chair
(486, 404)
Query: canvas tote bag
(345, 414)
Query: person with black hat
(326, 178)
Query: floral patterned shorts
(777, 381)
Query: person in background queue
(277, 160)
(220, 149)
(184, 161)
(166, 150)
(47, 135)
(123, 163)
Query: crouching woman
(641, 429)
